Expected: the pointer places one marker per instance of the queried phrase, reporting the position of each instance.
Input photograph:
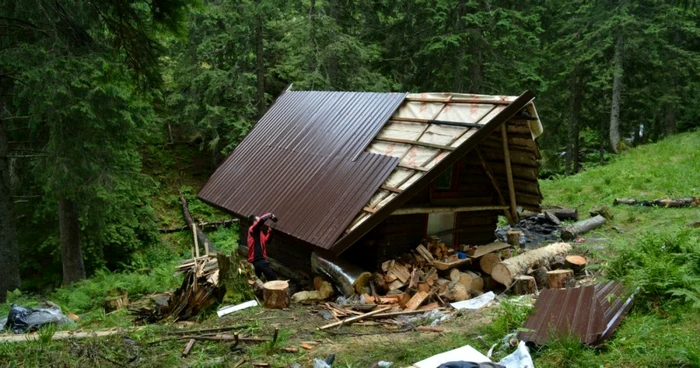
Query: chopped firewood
(356, 318)
(385, 265)
(425, 254)
(397, 284)
(456, 292)
(416, 301)
(430, 329)
(430, 306)
(471, 281)
(414, 278)
(290, 350)
(423, 286)
(390, 277)
(400, 271)
(306, 346)
(454, 274)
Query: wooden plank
(416, 301)
(416, 210)
(391, 189)
(356, 318)
(412, 167)
(401, 272)
(369, 210)
(415, 143)
(464, 100)
(438, 122)
(509, 174)
(488, 248)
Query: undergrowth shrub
(665, 266)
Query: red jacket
(257, 239)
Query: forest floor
(649, 247)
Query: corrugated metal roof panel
(590, 313)
(304, 161)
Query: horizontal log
(414, 210)
(574, 230)
(202, 225)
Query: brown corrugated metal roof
(304, 161)
(590, 313)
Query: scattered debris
(573, 231)
(117, 299)
(475, 303)
(188, 348)
(465, 353)
(536, 229)
(354, 319)
(590, 313)
(665, 202)
(22, 320)
(323, 291)
(234, 308)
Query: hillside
(648, 247)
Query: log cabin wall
(289, 251)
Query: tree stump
(524, 285)
(559, 279)
(514, 237)
(488, 261)
(111, 304)
(276, 294)
(576, 263)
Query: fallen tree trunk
(201, 238)
(572, 231)
(505, 271)
(564, 213)
(201, 225)
(663, 202)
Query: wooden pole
(494, 182)
(196, 242)
(509, 173)
(356, 318)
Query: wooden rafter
(412, 167)
(391, 189)
(416, 210)
(494, 182)
(459, 100)
(415, 143)
(509, 173)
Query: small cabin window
(442, 225)
(444, 181)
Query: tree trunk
(9, 249)
(475, 70)
(616, 95)
(71, 254)
(670, 123)
(332, 58)
(505, 271)
(313, 63)
(572, 159)
(260, 61)
(576, 229)
(602, 140)
(458, 61)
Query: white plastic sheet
(475, 303)
(233, 308)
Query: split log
(559, 279)
(540, 275)
(573, 231)
(523, 285)
(576, 263)
(488, 261)
(505, 271)
(201, 238)
(416, 301)
(276, 294)
(471, 281)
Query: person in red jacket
(258, 236)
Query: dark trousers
(262, 267)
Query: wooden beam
(489, 101)
(494, 182)
(391, 189)
(370, 210)
(432, 121)
(417, 168)
(509, 173)
(417, 210)
(416, 143)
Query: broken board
(488, 248)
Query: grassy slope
(662, 337)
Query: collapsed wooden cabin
(367, 176)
